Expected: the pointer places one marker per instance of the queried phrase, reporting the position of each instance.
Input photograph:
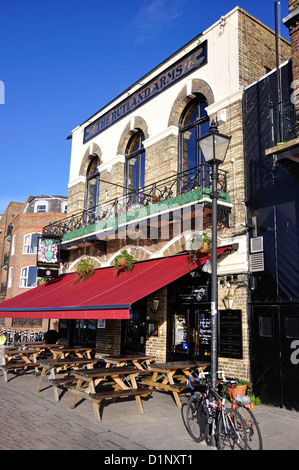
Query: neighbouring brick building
(21, 225)
(138, 182)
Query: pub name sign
(187, 64)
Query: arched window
(92, 184)
(135, 166)
(194, 123)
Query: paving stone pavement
(34, 421)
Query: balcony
(8, 233)
(2, 289)
(284, 122)
(5, 261)
(285, 140)
(164, 196)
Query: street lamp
(214, 147)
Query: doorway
(275, 354)
(189, 318)
(133, 330)
(190, 334)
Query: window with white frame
(64, 207)
(41, 206)
(10, 276)
(30, 243)
(28, 276)
(13, 245)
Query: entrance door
(275, 355)
(191, 333)
(133, 330)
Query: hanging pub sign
(47, 273)
(48, 253)
(230, 324)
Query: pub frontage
(139, 189)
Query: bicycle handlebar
(225, 380)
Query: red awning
(103, 295)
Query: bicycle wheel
(231, 431)
(196, 417)
(254, 435)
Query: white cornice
(79, 179)
(214, 107)
(171, 130)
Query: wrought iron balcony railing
(2, 289)
(163, 190)
(285, 127)
(5, 261)
(8, 232)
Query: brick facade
(21, 219)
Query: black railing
(5, 260)
(2, 289)
(9, 231)
(284, 122)
(166, 188)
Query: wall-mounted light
(155, 304)
(228, 300)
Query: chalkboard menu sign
(231, 334)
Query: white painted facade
(221, 73)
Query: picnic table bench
(163, 376)
(19, 359)
(63, 352)
(52, 367)
(141, 361)
(119, 389)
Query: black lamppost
(214, 147)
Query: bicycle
(244, 406)
(208, 419)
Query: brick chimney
(292, 23)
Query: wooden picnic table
(28, 344)
(163, 376)
(19, 358)
(66, 352)
(140, 361)
(52, 367)
(94, 377)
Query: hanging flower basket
(124, 260)
(205, 247)
(84, 270)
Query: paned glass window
(135, 166)
(194, 123)
(28, 276)
(92, 184)
(30, 243)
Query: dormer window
(41, 206)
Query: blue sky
(63, 60)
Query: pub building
(138, 182)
